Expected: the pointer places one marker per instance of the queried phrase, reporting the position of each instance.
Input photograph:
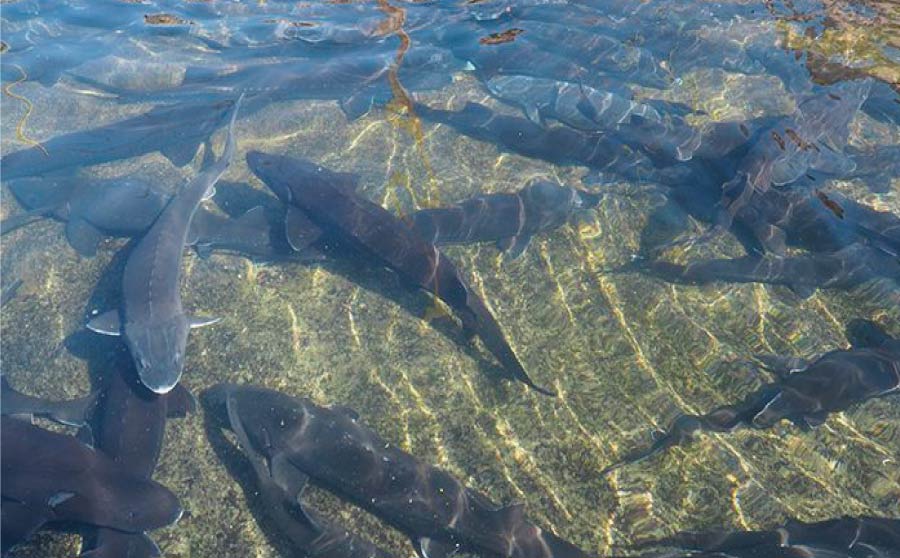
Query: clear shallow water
(627, 352)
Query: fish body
(129, 429)
(843, 537)
(54, 478)
(806, 393)
(152, 320)
(92, 209)
(844, 269)
(324, 203)
(510, 219)
(73, 412)
(175, 130)
(253, 235)
(813, 138)
(593, 110)
(556, 144)
(281, 489)
(337, 452)
(357, 82)
(807, 218)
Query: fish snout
(158, 353)
(266, 168)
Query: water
(627, 352)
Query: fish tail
(22, 219)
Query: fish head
(550, 204)
(548, 194)
(264, 420)
(274, 171)
(158, 351)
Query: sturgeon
(151, 318)
(323, 203)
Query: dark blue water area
(506, 278)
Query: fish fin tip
(301, 232)
(815, 420)
(255, 215)
(180, 402)
(83, 237)
(85, 435)
(290, 479)
(534, 114)
(356, 105)
(435, 311)
(107, 323)
(802, 291)
(514, 246)
(180, 154)
(204, 251)
(430, 548)
(202, 321)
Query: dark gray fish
(53, 478)
(878, 166)
(152, 319)
(574, 104)
(91, 209)
(589, 109)
(357, 82)
(556, 144)
(813, 138)
(281, 491)
(598, 52)
(817, 221)
(844, 537)
(254, 235)
(297, 439)
(129, 428)
(176, 131)
(844, 269)
(523, 58)
(805, 392)
(324, 203)
(509, 219)
(73, 412)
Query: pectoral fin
(533, 113)
(801, 290)
(357, 105)
(201, 321)
(180, 154)
(300, 231)
(83, 236)
(816, 420)
(180, 402)
(288, 478)
(837, 164)
(430, 548)
(107, 323)
(254, 218)
(772, 237)
(514, 246)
